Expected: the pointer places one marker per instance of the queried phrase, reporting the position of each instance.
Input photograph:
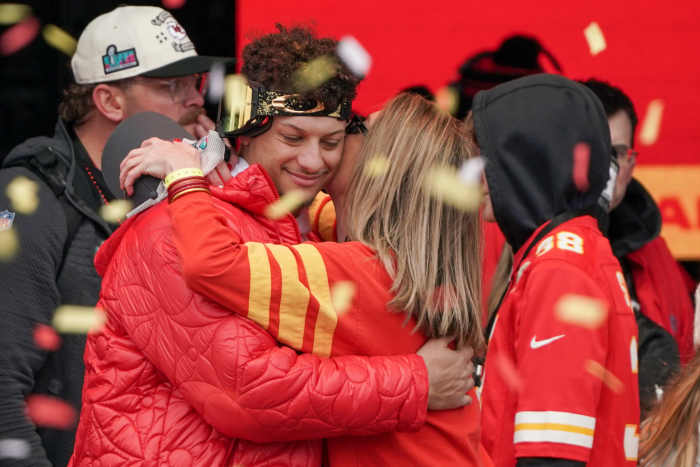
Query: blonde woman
(669, 437)
(412, 262)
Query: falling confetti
(509, 373)
(173, 4)
(444, 184)
(50, 412)
(313, 74)
(354, 56)
(116, 210)
(216, 82)
(46, 338)
(19, 35)
(23, 195)
(652, 123)
(609, 379)
(14, 448)
(581, 311)
(235, 88)
(73, 319)
(582, 157)
(376, 166)
(11, 13)
(447, 99)
(471, 170)
(9, 244)
(596, 39)
(59, 39)
(342, 294)
(287, 204)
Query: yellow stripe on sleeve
(260, 284)
(327, 319)
(294, 299)
(554, 426)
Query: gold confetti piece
(581, 311)
(74, 319)
(9, 244)
(59, 39)
(609, 379)
(23, 195)
(444, 184)
(313, 74)
(652, 123)
(447, 99)
(376, 166)
(342, 294)
(115, 212)
(235, 89)
(596, 39)
(11, 13)
(287, 204)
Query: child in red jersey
(557, 391)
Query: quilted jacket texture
(175, 380)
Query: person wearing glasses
(658, 292)
(174, 378)
(129, 60)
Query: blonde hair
(669, 436)
(430, 249)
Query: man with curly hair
(175, 379)
(129, 60)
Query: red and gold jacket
(174, 379)
(296, 293)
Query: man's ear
(110, 101)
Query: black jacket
(633, 224)
(47, 271)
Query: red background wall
(652, 51)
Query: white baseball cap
(136, 41)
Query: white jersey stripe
(558, 418)
(553, 436)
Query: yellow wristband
(182, 173)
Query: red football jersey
(561, 380)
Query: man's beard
(190, 118)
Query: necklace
(97, 186)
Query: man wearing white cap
(130, 60)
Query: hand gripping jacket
(174, 379)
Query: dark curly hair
(272, 60)
(614, 99)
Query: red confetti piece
(46, 338)
(173, 4)
(509, 373)
(50, 412)
(19, 36)
(582, 158)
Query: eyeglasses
(177, 88)
(626, 153)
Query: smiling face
(298, 153)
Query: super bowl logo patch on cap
(6, 219)
(116, 60)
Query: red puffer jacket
(176, 380)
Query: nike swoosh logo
(535, 344)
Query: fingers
(206, 122)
